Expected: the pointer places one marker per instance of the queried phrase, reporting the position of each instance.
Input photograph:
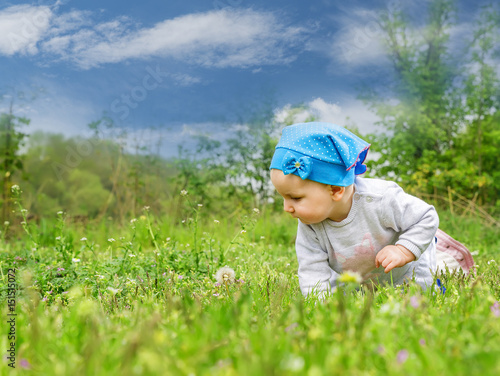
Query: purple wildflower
(422, 342)
(25, 364)
(381, 349)
(414, 302)
(60, 269)
(402, 356)
(44, 299)
(217, 284)
(216, 294)
(180, 277)
(495, 309)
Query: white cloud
(21, 27)
(225, 38)
(351, 112)
(358, 41)
(229, 37)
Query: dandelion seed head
(225, 275)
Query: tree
(440, 131)
(11, 140)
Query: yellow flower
(350, 277)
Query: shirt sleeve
(415, 221)
(315, 273)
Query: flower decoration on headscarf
(301, 166)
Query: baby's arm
(315, 273)
(414, 220)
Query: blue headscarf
(322, 152)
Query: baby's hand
(393, 256)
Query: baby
(345, 222)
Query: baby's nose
(287, 207)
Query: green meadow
(143, 299)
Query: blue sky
(186, 67)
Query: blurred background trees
(439, 132)
(442, 131)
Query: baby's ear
(336, 192)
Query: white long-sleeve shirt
(381, 214)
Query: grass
(142, 299)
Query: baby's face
(307, 200)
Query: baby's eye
(296, 198)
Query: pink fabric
(445, 243)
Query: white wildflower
(243, 232)
(84, 239)
(225, 275)
(60, 212)
(15, 188)
(111, 240)
(256, 211)
(75, 259)
(200, 205)
(184, 192)
(113, 290)
(216, 221)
